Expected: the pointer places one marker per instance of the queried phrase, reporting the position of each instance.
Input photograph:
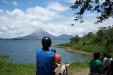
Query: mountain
(41, 33)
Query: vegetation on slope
(102, 41)
(9, 68)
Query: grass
(73, 68)
(71, 50)
(9, 68)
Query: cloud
(41, 13)
(70, 1)
(14, 3)
(17, 23)
(4, 1)
(57, 6)
(78, 29)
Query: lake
(23, 51)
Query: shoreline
(80, 52)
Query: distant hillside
(41, 33)
(102, 41)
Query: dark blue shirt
(44, 62)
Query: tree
(104, 8)
(75, 39)
(90, 34)
(101, 34)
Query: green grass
(77, 67)
(9, 68)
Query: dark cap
(46, 42)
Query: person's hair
(46, 42)
(105, 55)
(53, 50)
(109, 56)
(96, 55)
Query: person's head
(96, 55)
(53, 50)
(46, 42)
(109, 56)
(105, 55)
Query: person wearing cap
(45, 63)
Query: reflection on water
(23, 51)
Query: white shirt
(105, 62)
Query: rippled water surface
(23, 51)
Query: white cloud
(14, 3)
(78, 29)
(41, 13)
(4, 1)
(70, 1)
(57, 6)
(18, 23)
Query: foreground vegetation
(9, 68)
(77, 67)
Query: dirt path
(82, 72)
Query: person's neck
(44, 48)
(95, 58)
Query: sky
(22, 17)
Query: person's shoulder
(105, 58)
(90, 60)
(99, 61)
(111, 59)
(38, 50)
(51, 52)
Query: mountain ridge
(38, 34)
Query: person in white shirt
(106, 63)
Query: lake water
(23, 51)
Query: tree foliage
(90, 34)
(75, 39)
(104, 8)
(102, 39)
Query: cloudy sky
(22, 17)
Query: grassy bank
(71, 50)
(77, 67)
(9, 68)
